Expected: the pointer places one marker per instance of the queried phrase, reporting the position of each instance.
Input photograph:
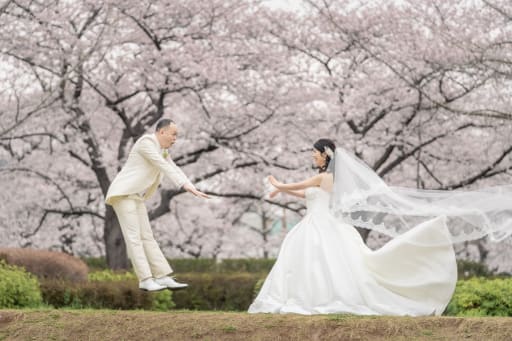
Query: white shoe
(169, 282)
(149, 284)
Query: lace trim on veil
(360, 197)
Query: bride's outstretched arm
(299, 194)
(311, 182)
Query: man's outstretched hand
(195, 191)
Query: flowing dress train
(325, 267)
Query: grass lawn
(67, 324)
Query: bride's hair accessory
(329, 152)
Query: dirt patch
(187, 325)
(7, 317)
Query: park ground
(68, 324)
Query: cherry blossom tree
(419, 90)
(112, 70)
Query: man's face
(168, 135)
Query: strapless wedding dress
(324, 267)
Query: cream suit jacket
(144, 170)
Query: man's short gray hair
(164, 122)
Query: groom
(137, 181)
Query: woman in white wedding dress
(325, 267)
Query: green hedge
(182, 265)
(161, 300)
(253, 265)
(233, 283)
(95, 263)
(111, 276)
(216, 291)
(207, 265)
(482, 297)
(104, 295)
(466, 269)
(206, 291)
(18, 288)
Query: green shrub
(468, 269)
(253, 265)
(18, 288)
(216, 291)
(181, 265)
(161, 300)
(95, 263)
(111, 275)
(482, 297)
(257, 287)
(104, 295)
(187, 265)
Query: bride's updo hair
(321, 145)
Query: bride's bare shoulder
(327, 181)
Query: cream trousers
(145, 254)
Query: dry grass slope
(185, 325)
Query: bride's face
(319, 158)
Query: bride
(325, 267)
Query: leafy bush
(95, 263)
(47, 264)
(181, 265)
(18, 288)
(468, 269)
(113, 294)
(161, 300)
(206, 291)
(216, 291)
(482, 297)
(187, 265)
(110, 275)
(257, 287)
(253, 265)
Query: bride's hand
(274, 193)
(274, 182)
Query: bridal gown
(325, 267)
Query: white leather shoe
(149, 284)
(170, 283)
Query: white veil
(361, 198)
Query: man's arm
(151, 153)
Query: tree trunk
(115, 248)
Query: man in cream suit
(137, 181)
